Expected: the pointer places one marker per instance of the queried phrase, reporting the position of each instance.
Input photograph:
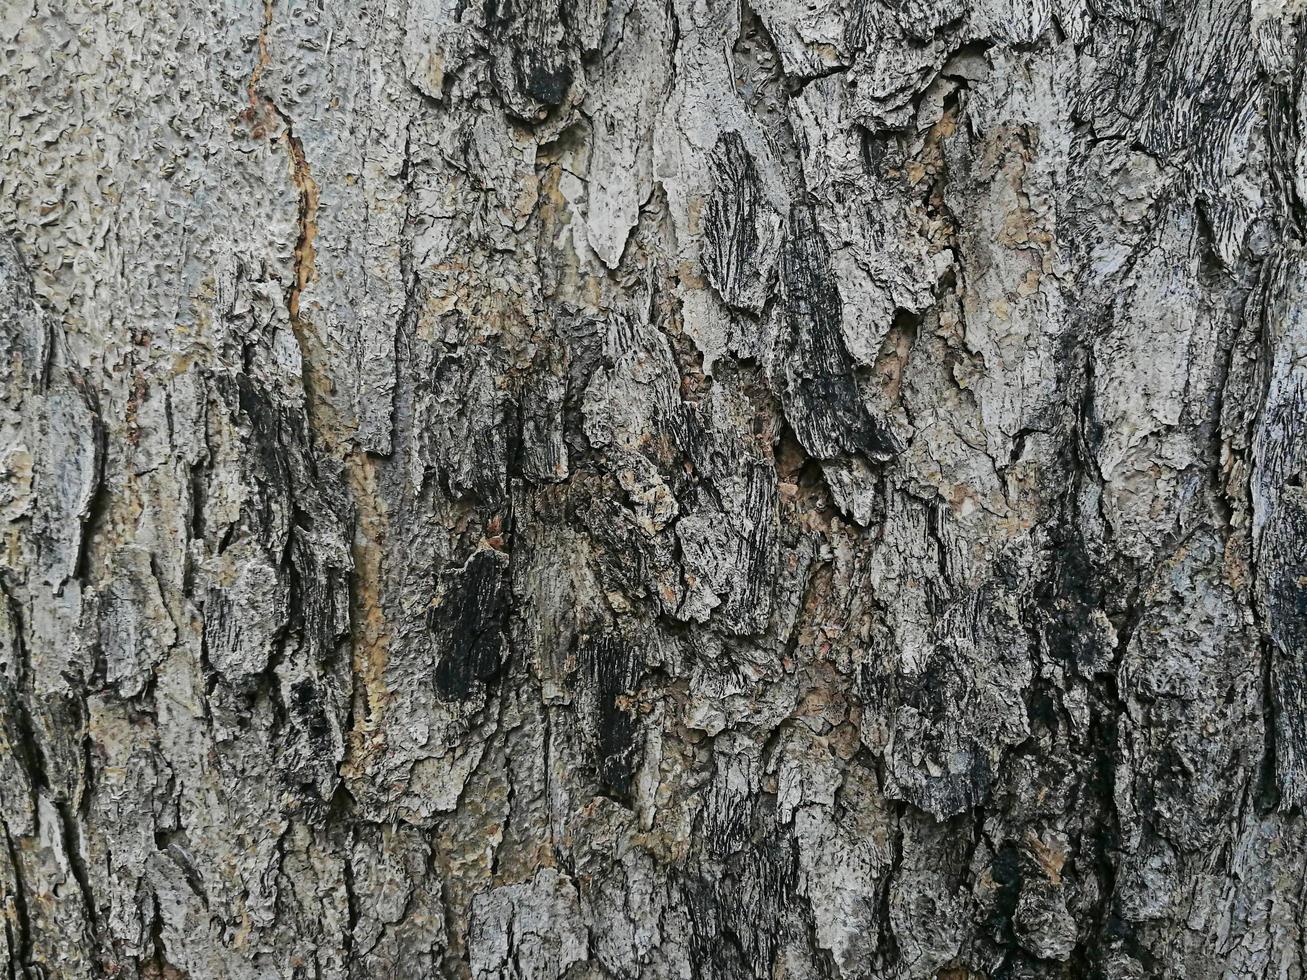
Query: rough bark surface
(576, 489)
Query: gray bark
(708, 489)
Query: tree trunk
(653, 489)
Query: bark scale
(571, 489)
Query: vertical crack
(23, 948)
(316, 383)
(76, 860)
(305, 252)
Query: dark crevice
(19, 964)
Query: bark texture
(703, 489)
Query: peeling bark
(559, 490)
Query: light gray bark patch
(1280, 523)
(244, 612)
(64, 484)
(135, 630)
(529, 930)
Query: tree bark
(576, 489)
